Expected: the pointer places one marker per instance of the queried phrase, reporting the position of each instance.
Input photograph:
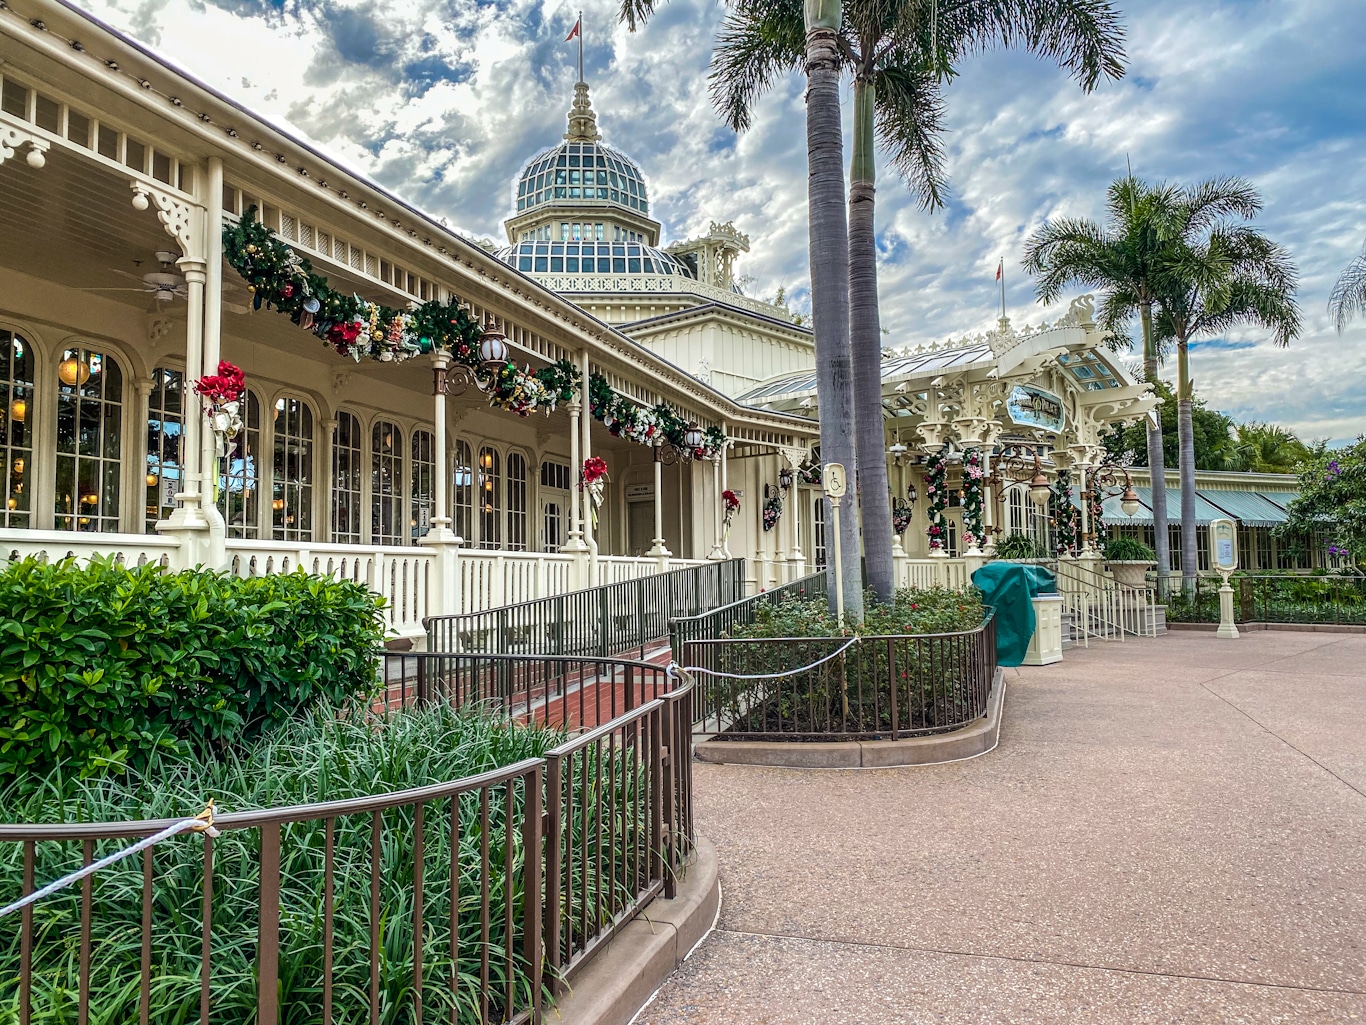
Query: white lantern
(693, 437)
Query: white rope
(202, 824)
(768, 676)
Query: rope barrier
(674, 666)
(201, 823)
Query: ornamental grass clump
(323, 756)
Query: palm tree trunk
(1185, 433)
(829, 246)
(865, 343)
(1156, 459)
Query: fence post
(268, 943)
(554, 788)
(531, 884)
(604, 622)
(671, 755)
(657, 862)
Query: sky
(443, 101)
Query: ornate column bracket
(12, 137)
(175, 215)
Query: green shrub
(103, 666)
(1020, 546)
(913, 611)
(321, 756)
(1122, 548)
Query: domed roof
(586, 257)
(582, 168)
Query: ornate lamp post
(1012, 469)
(1103, 481)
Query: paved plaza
(1171, 830)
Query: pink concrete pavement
(1171, 830)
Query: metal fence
(598, 621)
(719, 621)
(881, 688)
(465, 901)
(1265, 598)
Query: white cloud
(444, 100)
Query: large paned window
(462, 492)
(386, 484)
(423, 475)
(490, 499)
(239, 481)
(552, 527)
(16, 431)
(517, 497)
(165, 439)
(346, 480)
(89, 441)
(818, 532)
(291, 484)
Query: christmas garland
(974, 530)
(281, 279)
(645, 425)
(937, 492)
(1096, 512)
(1063, 516)
(810, 474)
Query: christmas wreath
(773, 511)
(901, 516)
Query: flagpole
(1001, 276)
(581, 46)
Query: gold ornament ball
(251, 248)
(378, 336)
(251, 288)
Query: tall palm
(1349, 294)
(900, 54)
(1216, 275)
(1123, 261)
(1268, 448)
(817, 39)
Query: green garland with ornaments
(1063, 516)
(280, 279)
(937, 500)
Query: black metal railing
(466, 901)
(718, 622)
(1269, 598)
(878, 688)
(597, 621)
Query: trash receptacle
(1010, 588)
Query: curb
(968, 742)
(618, 982)
(1310, 628)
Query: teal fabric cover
(1008, 587)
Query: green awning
(1249, 508)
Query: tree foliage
(1214, 447)
(1332, 501)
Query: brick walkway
(1171, 830)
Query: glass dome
(590, 258)
(582, 171)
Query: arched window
(239, 483)
(423, 477)
(346, 480)
(462, 492)
(291, 483)
(517, 495)
(490, 499)
(165, 436)
(16, 434)
(386, 484)
(89, 441)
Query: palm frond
(1084, 36)
(635, 13)
(1217, 198)
(756, 44)
(910, 121)
(1066, 251)
(1349, 294)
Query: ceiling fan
(164, 285)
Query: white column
(717, 552)
(658, 549)
(213, 352)
(440, 532)
(725, 486)
(586, 450)
(188, 521)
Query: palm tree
(1216, 275)
(1349, 294)
(817, 29)
(1123, 261)
(900, 54)
(1268, 448)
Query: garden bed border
(974, 739)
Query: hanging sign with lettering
(1033, 407)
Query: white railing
(615, 569)
(489, 579)
(1102, 607)
(923, 573)
(129, 549)
(401, 575)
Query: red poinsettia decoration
(731, 499)
(594, 468)
(225, 386)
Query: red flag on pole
(998, 270)
(574, 32)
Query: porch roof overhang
(1249, 508)
(113, 73)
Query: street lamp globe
(1128, 502)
